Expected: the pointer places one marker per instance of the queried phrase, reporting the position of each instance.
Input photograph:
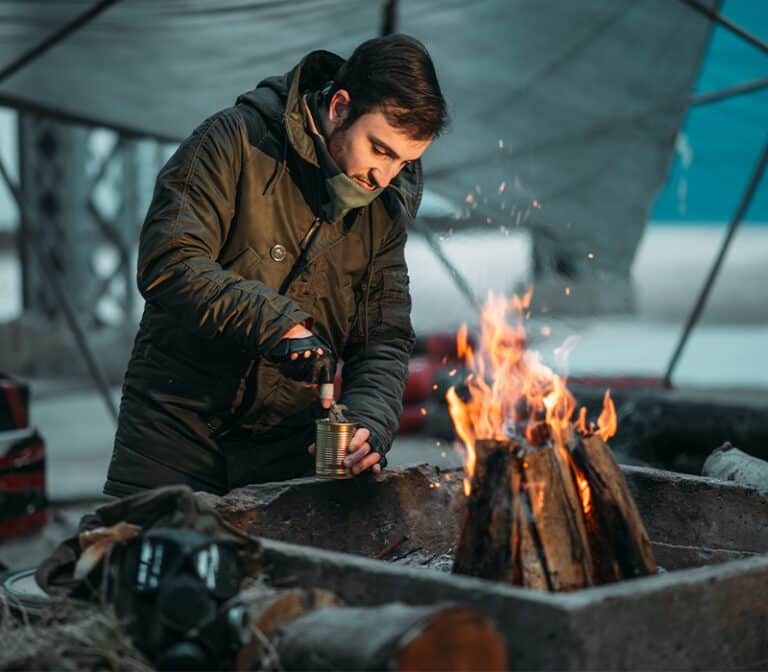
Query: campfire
(547, 505)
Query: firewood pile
(547, 505)
(537, 519)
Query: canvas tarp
(564, 113)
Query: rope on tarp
(693, 318)
(70, 314)
(38, 50)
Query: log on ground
(392, 637)
(728, 463)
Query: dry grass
(68, 636)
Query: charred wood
(618, 538)
(487, 541)
(550, 518)
(559, 521)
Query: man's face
(371, 151)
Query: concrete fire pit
(708, 610)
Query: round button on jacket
(278, 252)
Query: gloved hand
(300, 359)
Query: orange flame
(585, 494)
(607, 423)
(511, 392)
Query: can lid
(325, 423)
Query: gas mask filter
(173, 590)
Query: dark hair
(396, 74)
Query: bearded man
(274, 244)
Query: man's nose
(383, 176)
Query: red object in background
(421, 376)
(413, 419)
(22, 524)
(442, 347)
(23, 503)
(434, 354)
(14, 404)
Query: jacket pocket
(334, 308)
(169, 379)
(243, 262)
(391, 301)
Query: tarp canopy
(564, 113)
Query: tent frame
(745, 200)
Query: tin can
(331, 442)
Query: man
(274, 243)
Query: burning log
(618, 539)
(553, 513)
(522, 523)
(544, 520)
(487, 542)
(547, 508)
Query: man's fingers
(359, 454)
(376, 468)
(366, 463)
(361, 436)
(326, 403)
(311, 448)
(308, 353)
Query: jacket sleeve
(374, 377)
(192, 210)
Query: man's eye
(378, 150)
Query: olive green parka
(230, 213)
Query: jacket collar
(314, 71)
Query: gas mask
(173, 588)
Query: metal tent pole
(388, 18)
(69, 28)
(744, 203)
(728, 25)
(729, 92)
(49, 273)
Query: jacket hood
(278, 100)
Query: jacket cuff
(378, 447)
(286, 320)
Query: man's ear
(338, 108)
